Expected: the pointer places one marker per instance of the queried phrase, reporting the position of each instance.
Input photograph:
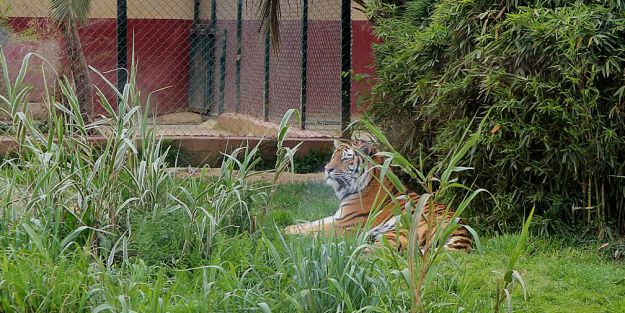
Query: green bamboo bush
(549, 72)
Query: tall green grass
(79, 191)
(440, 184)
(105, 228)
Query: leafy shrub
(312, 162)
(547, 79)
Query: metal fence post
(211, 58)
(222, 73)
(304, 61)
(266, 86)
(122, 44)
(238, 60)
(346, 64)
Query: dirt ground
(285, 178)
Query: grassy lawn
(264, 271)
(560, 277)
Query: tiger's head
(347, 172)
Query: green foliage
(176, 155)
(108, 229)
(165, 241)
(421, 259)
(312, 162)
(551, 75)
(5, 128)
(511, 276)
(244, 272)
(61, 10)
(63, 190)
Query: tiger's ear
(337, 143)
(366, 147)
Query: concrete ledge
(243, 125)
(203, 150)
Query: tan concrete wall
(203, 150)
(357, 14)
(290, 9)
(155, 9)
(183, 9)
(158, 9)
(18, 8)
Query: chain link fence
(210, 70)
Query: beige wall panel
(205, 9)
(41, 8)
(26, 8)
(324, 10)
(357, 14)
(291, 9)
(159, 9)
(104, 8)
(155, 9)
(183, 9)
(227, 10)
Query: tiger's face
(347, 172)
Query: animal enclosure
(203, 58)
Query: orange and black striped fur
(357, 185)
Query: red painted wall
(362, 60)
(162, 49)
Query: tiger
(358, 187)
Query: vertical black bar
(222, 74)
(213, 22)
(346, 64)
(196, 12)
(266, 87)
(197, 58)
(208, 46)
(212, 40)
(304, 60)
(238, 61)
(122, 44)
